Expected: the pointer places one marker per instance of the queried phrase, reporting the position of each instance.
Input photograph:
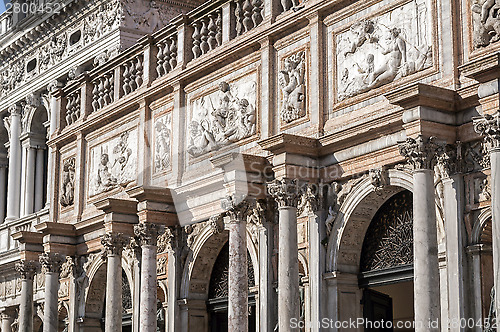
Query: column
(27, 269)
(54, 115)
(147, 234)
(7, 321)
(421, 155)
(39, 177)
(237, 211)
(266, 291)
(285, 192)
(30, 180)
(113, 244)
(22, 171)
(14, 184)
(489, 127)
(174, 276)
(3, 186)
(51, 265)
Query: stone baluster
(27, 269)
(489, 127)
(286, 193)
(421, 155)
(39, 177)
(113, 245)
(51, 265)
(14, 182)
(237, 211)
(147, 233)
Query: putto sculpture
(292, 84)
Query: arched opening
(160, 310)
(386, 265)
(63, 319)
(217, 304)
(485, 240)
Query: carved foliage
(114, 243)
(489, 127)
(420, 152)
(68, 182)
(291, 80)
(26, 269)
(223, 117)
(51, 262)
(147, 233)
(286, 192)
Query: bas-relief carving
(68, 182)
(224, 116)
(162, 149)
(148, 16)
(485, 22)
(383, 49)
(291, 81)
(113, 163)
(161, 265)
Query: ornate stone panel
(224, 114)
(162, 142)
(485, 22)
(292, 84)
(68, 182)
(113, 163)
(383, 48)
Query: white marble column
(29, 195)
(147, 234)
(113, 244)
(3, 186)
(237, 211)
(27, 269)
(54, 106)
(421, 154)
(39, 179)
(7, 320)
(489, 127)
(51, 265)
(173, 320)
(286, 193)
(14, 182)
(267, 295)
(22, 171)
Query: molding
(419, 94)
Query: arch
(354, 217)
(62, 316)
(477, 230)
(200, 261)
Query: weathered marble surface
(163, 142)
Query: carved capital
(309, 200)
(420, 152)
(286, 192)
(15, 110)
(51, 262)
(449, 160)
(147, 233)
(237, 208)
(258, 213)
(216, 223)
(54, 86)
(27, 269)
(489, 127)
(114, 243)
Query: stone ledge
(301, 145)
(483, 69)
(419, 94)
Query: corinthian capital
(51, 262)
(147, 233)
(114, 243)
(237, 208)
(15, 109)
(26, 269)
(489, 127)
(286, 192)
(420, 152)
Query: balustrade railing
(103, 92)
(207, 34)
(73, 107)
(248, 15)
(132, 75)
(166, 58)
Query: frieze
(223, 117)
(383, 49)
(113, 163)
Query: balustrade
(166, 59)
(132, 75)
(73, 107)
(207, 34)
(248, 15)
(102, 94)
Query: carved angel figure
(162, 147)
(68, 183)
(123, 151)
(364, 32)
(292, 85)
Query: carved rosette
(286, 192)
(114, 243)
(421, 152)
(489, 127)
(27, 269)
(51, 262)
(147, 233)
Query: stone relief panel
(113, 163)
(292, 86)
(224, 116)
(162, 142)
(68, 182)
(485, 22)
(384, 48)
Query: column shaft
(7, 321)
(173, 311)
(50, 314)
(30, 181)
(148, 289)
(495, 216)
(14, 184)
(113, 315)
(22, 171)
(266, 292)
(426, 268)
(39, 177)
(238, 277)
(288, 269)
(26, 306)
(3, 196)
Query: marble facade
(165, 164)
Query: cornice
(483, 69)
(289, 143)
(420, 94)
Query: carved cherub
(363, 32)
